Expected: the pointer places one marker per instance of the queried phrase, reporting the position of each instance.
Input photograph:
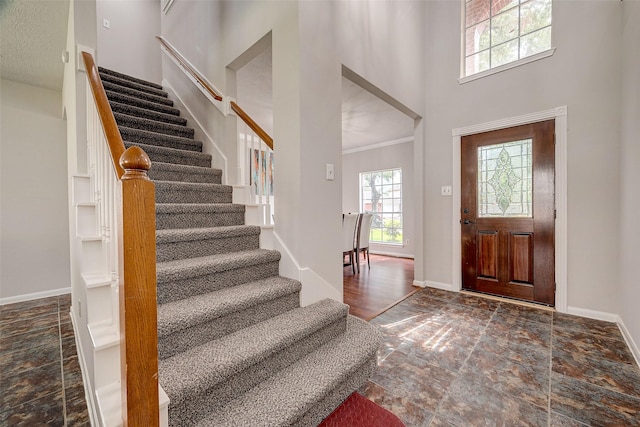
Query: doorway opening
(378, 164)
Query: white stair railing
(256, 171)
(104, 182)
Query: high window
(381, 194)
(499, 32)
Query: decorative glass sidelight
(505, 180)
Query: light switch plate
(331, 172)
(446, 190)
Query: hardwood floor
(370, 292)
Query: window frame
(521, 61)
(393, 200)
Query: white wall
(630, 173)
(35, 222)
(584, 75)
(130, 46)
(389, 157)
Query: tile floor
(40, 378)
(448, 360)
(453, 359)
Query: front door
(508, 212)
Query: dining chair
(362, 238)
(349, 222)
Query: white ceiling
(33, 34)
(366, 119)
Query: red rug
(358, 411)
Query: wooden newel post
(138, 305)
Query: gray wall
(129, 45)
(630, 172)
(34, 226)
(394, 156)
(583, 74)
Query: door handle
(466, 221)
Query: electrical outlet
(446, 190)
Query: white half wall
(34, 227)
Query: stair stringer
(314, 286)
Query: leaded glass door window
(505, 179)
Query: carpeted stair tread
(208, 208)
(179, 315)
(153, 126)
(194, 267)
(111, 87)
(161, 171)
(127, 77)
(172, 244)
(192, 192)
(222, 312)
(194, 234)
(106, 77)
(141, 103)
(198, 215)
(286, 397)
(145, 113)
(173, 155)
(218, 360)
(159, 139)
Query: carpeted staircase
(235, 347)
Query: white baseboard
(627, 337)
(609, 317)
(593, 314)
(419, 284)
(439, 285)
(34, 296)
(393, 254)
(88, 394)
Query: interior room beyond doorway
(372, 291)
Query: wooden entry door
(508, 212)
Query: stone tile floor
(40, 378)
(452, 359)
(448, 360)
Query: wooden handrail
(253, 125)
(189, 69)
(108, 121)
(244, 116)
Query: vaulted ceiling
(366, 119)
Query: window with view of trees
(497, 32)
(381, 194)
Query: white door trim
(560, 116)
